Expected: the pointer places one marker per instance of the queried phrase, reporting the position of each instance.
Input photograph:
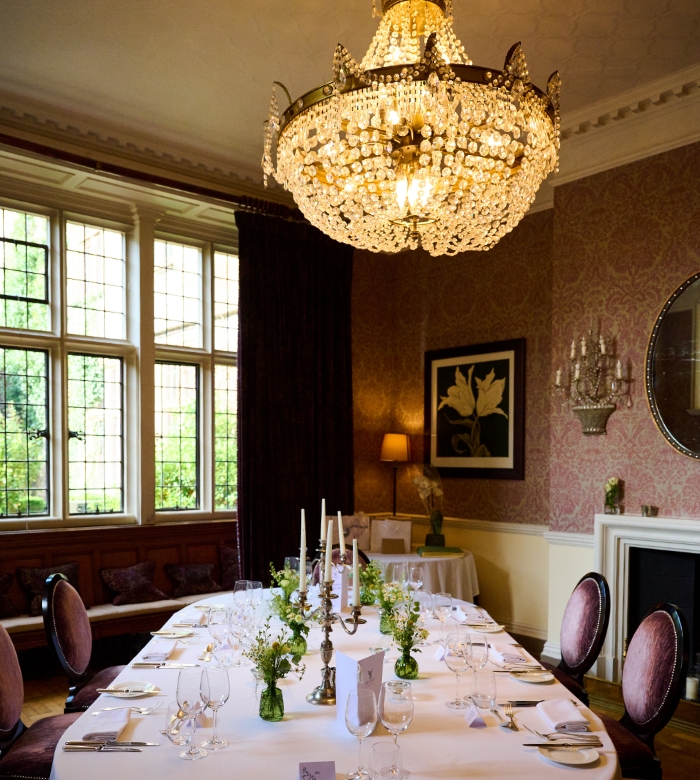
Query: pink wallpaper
(612, 250)
(407, 304)
(623, 241)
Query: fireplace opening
(664, 575)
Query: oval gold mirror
(673, 369)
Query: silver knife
(99, 749)
(159, 665)
(559, 745)
(107, 743)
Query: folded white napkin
(562, 715)
(160, 651)
(507, 654)
(107, 726)
(194, 620)
(468, 617)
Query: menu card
(351, 674)
(317, 770)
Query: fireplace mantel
(614, 535)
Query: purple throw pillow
(230, 567)
(7, 608)
(133, 584)
(191, 579)
(33, 580)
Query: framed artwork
(475, 410)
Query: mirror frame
(658, 419)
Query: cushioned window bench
(108, 547)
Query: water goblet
(456, 660)
(361, 720)
(189, 698)
(415, 576)
(242, 594)
(215, 690)
(177, 729)
(484, 689)
(396, 709)
(442, 607)
(386, 761)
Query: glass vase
(385, 621)
(367, 596)
(271, 702)
(406, 666)
(297, 643)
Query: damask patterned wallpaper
(624, 240)
(612, 250)
(407, 304)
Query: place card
(473, 718)
(317, 770)
(440, 653)
(351, 674)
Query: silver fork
(553, 735)
(508, 709)
(137, 710)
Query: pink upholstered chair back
(654, 670)
(335, 557)
(585, 624)
(67, 626)
(11, 685)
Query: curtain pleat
(295, 432)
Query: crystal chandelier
(409, 147)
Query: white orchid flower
(490, 395)
(460, 396)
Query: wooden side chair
(652, 683)
(68, 632)
(583, 631)
(24, 752)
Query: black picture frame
(460, 442)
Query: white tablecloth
(456, 576)
(437, 744)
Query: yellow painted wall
(566, 567)
(513, 571)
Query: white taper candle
(323, 519)
(341, 534)
(329, 553)
(355, 575)
(302, 555)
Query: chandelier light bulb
(466, 147)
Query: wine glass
(215, 690)
(177, 729)
(415, 577)
(442, 606)
(400, 573)
(396, 707)
(219, 626)
(256, 593)
(479, 651)
(386, 761)
(292, 562)
(189, 697)
(242, 594)
(360, 719)
(457, 652)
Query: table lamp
(396, 448)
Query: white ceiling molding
(34, 121)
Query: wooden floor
(679, 752)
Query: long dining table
(438, 744)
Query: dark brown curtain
(295, 434)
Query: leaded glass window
(226, 442)
(95, 473)
(24, 475)
(177, 436)
(225, 302)
(177, 285)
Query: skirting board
(551, 653)
(526, 629)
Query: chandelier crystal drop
(415, 144)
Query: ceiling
(197, 73)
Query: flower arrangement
(429, 488)
(272, 660)
(289, 613)
(287, 579)
(389, 595)
(370, 583)
(407, 634)
(612, 495)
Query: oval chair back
(584, 625)
(11, 694)
(335, 557)
(654, 673)
(68, 630)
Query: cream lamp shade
(395, 446)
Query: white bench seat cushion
(108, 611)
(195, 597)
(16, 625)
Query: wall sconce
(595, 384)
(396, 448)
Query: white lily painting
(472, 409)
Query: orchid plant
(612, 492)
(429, 488)
(471, 410)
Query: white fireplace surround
(614, 535)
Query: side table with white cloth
(437, 744)
(456, 576)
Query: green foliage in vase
(272, 657)
(404, 628)
(370, 583)
(389, 595)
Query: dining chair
(652, 683)
(583, 630)
(68, 632)
(335, 557)
(24, 752)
